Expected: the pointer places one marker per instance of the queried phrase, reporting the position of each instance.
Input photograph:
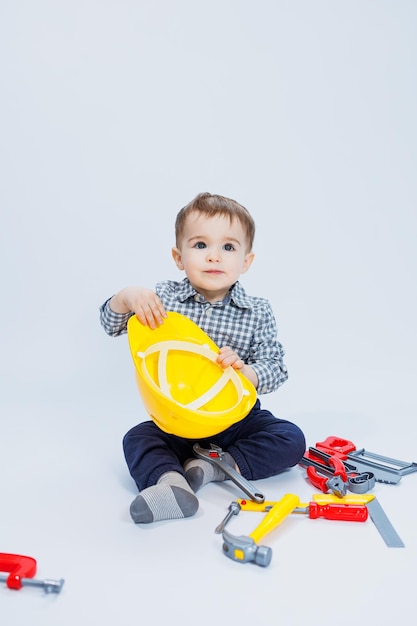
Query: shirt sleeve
(267, 354)
(114, 324)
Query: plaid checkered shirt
(245, 323)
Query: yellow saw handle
(275, 516)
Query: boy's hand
(228, 357)
(146, 305)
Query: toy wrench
(215, 456)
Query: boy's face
(213, 253)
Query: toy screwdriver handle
(345, 512)
(275, 516)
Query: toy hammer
(244, 549)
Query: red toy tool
(346, 512)
(336, 483)
(344, 475)
(336, 446)
(385, 468)
(21, 570)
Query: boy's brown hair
(212, 205)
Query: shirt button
(209, 313)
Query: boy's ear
(176, 255)
(248, 261)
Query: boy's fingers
(151, 315)
(230, 358)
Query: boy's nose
(213, 255)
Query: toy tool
(21, 570)
(245, 549)
(336, 483)
(335, 510)
(385, 469)
(215, 456)
(376, 513)
(342, 476)
(349, 498)
(383, 525)
(234, 508)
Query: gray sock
(199, 472)
(170, 498)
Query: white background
(113, 115)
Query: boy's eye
(200, 245)
(229, 247)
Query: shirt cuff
(113, 323)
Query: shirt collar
(236, 295)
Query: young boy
(214, 237)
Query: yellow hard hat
(185, 391)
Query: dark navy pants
(261, 444)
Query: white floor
(114, 115)
(65, 500)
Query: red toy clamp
(22, 570)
